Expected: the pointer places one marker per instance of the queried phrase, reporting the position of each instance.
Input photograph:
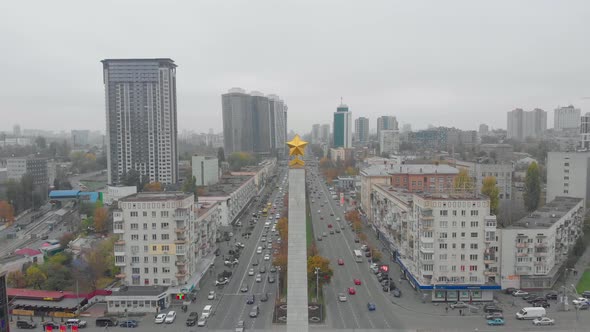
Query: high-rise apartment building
(35, 167)
(141, 119)
(484, 129)
(361, 130)
(325, 133)
(80, 137)
(585, 132)
(342, 127)
(389, 141)
(253, 122)
(566, 118)
(386, 122)
(522, 125)
(4, 304)
(568, 174)
(156, 232)
(315, 133)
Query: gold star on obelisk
(297, 148)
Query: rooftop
(375, 170)
(204, 207)
(27, 252)
(227, 184)
(423, 169)
(547, 215)
(155, 196)
(139, 291)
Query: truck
(531, 313)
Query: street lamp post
(563, 296)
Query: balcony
(426, 250)
(123, 263)
(180, 262)
(180, 241)
(521, 254)
(120, 242)
(489, 273)
(522, 244)
(118, 228)
(118, 217)
(181, 274)
(180, 229)
(489, 259)
(540, 245)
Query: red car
(357, 281)
(351, 291)
(329, 225)
(340, 261)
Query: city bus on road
(358, 255)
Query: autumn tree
(101, 216)
(35, 276)
(6, 212)
(532, 187)
(283, 227)
(490, 189)
(16, 279)
(153, 186)
(325, 271)
(376, 255)
(66, 238)
(463, 181)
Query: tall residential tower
(342, 127)
(361, 130)
(140, 97)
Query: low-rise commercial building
(534, 248)
(444, 243)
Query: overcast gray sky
(452, 63)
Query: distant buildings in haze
(522, 124)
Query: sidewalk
(582, 264)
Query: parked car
(519, 292)
(583, 306)
(221, 281)
(254, 311)
(551, 296)
(459, 305)
(271, 279)
(273, 269)
(495, 321)
(244, 288)
(579, 300)
(129, 323)
(397, 292)
(25, 324)
(76, 322)
(542, 321)
(494, 315)
(357, 281)
(170, 317)
(160, 318)
(509, 290)
(340, 261)
(53, 325)
(543, 304)
(491, 308)
(586, 294)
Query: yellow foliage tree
(101, 216)
(490, 189)
(463, 181)
(153, 186)
(6, 212)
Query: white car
(258, 278)
(202, 321)
(266, 257)
(160, 318)
(341, 297)
(543, 321)
(211, 295)
(251, 272)
(519, 292)
(259, 250)
(580, 300)
(170, 317)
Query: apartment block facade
(389, 141)
(534, 248)
(444, 243)
(156, 244)
(479, 171)
(37, 168)
(423, 178)
(568, 174)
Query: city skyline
(412, 83)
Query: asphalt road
(354, 313)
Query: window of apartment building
(413, 183)
(165, 236)
(474, 234)
(462, 245)
(134, 226)
(166, 281)
(454, 235)
(473, 279)
(472, 267)
(454, 224)
(146, 248)
(428, 267)
(134, 213)
(442, 257)
(473, 257)
(146, 270)
(155, 259)
(165, 259)
(120, 259)
(154, 237)
(462, 234)
(463, 224)
(444, 212)
(454, 213)
(463, 213)
(420, 183)
(134, 237)
(462, 268)
(155, 269)
(166, 248)
(146, 259)
(154, 214)
(135, 270)
(165, 225)
(566, 184)
(444, 223)
(491, 223)
(442, 235)
(145, 226)
(566, 171)
(163, 214)
(566, 164)
(454, 246)
(155, 281)
(462, 257)
(442, 246)
(154, 225)
(473, 246)
(135, 259)
(145, 237)
(442, 268)
(566, 178)
(427, 234)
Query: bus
(264, 212)
(358, 255)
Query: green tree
(16, 279)
(35, 276)
(190, 186)
(532, 187)
(490, 189)
(237, 160)
(463, 181)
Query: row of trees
(23, 194)
(93, 270)
(331, 170)
(354, 218)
